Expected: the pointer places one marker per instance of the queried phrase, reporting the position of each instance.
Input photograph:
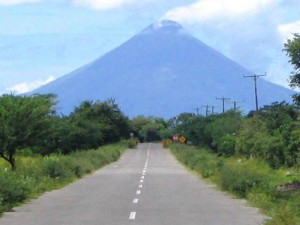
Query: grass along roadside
(250, 179)
(36, 175)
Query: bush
(226, 145)
(56, 169)
(14, 187)
(37, 174)
(132, 143)
(240, 180)
(166, 143)
(206, 169)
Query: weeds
(251, 179)
(38, 174)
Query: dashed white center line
(132, 215)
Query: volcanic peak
(165, 26)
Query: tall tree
(292, 48)
(100, 122)
(24, 121)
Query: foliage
(222, 130)
(91, 125)
(292, 49)
(24, 121)
(148, 129)
(104, 120)
(251, 179)
(241, 180)
(270, 134)
(253, 138)
(38, 174)
(192, 127)
(166, 143)
(133, 142)
(226, 145)
(14, 187)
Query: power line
(206, 109)
(223, 100)
(255, 77)
(235, 104)
(212, 109)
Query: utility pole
(255, 77)
(212, 109)
(197, 109)
(206, 109)
(223, 100)
(235, 104)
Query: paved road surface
(146, 187)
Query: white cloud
(101, 4)
(27, 87)
(287, 30)
(17, 2)
(204, 10)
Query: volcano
(162, 71)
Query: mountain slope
(162, 71)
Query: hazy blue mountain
(162, 71)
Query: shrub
(132, 143)
(240, 180)
(206, 169)
(56, 169)
(226, 145)
(78, 166)
(167, 143)
(14, 187)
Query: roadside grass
(249, 179)
(36, 174)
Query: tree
(99, 122)
(24, 121)
(148, 128)
(292, 49)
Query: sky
(42, 40)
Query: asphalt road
(147, 186)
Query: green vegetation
(292, 49)
(23, 122)
(29, 124)
(256, 157)
(43, 151)
(149, 129)
(252, 179)
(35, 175)
(270, 134)
(133, 142)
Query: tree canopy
(23, 121)
(292, 49)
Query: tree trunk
(10, 159)
(12, 162)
